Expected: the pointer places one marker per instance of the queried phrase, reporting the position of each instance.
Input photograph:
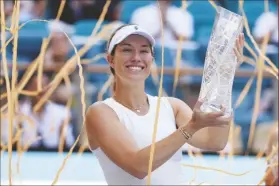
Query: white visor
(126, 31)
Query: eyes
(128, 50)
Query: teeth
(135, 68)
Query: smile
(135, 68)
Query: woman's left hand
(238, 49)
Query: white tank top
(141, 128)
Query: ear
(110, 60)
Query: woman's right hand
(202, 120)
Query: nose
(136, 56)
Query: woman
(120, 128)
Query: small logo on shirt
(136, 28)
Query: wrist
(187, 131)
(189, 128)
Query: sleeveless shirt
(141, 128)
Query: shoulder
(98, 108)
(179, 105)
(99, 119)
(98, 111)
(175, 103)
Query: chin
(137, 78)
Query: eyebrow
(127, 44)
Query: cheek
(148, 60)
(119, 61)
(117, 65)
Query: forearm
(164, 150)
(218, 137)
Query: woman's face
(132, 59)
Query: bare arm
(210, 138)
(118, 144)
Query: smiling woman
(126, 47)
(120, 128)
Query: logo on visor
(136, 28)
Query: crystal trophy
(220, 62)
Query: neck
(132, 95)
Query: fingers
(242, 39)
(222, 108)
(238, 49)
(237, 43)
(236, 53)
(225, 120)
(220, 116)
(240, 43)
(198, 105)
(213, 115)
(219, 125)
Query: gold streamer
(67, 120)
(13, 21)
(217, 170)
(258, 93)
(231, 138)
(82, 149)
(19, 149)
(4, 107)
(8, 89)
(178, 54)
(102, 16)
(244, 92)
(267, 172)
(190, 154)
(70, 64)
(14, 69)
(36, 63)
(3, 96)
(94, 59)
(41, 65)
(213, 4)
(107, 84)
(32, 68)
(255, 44)
(152, 150)
(253, 63)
